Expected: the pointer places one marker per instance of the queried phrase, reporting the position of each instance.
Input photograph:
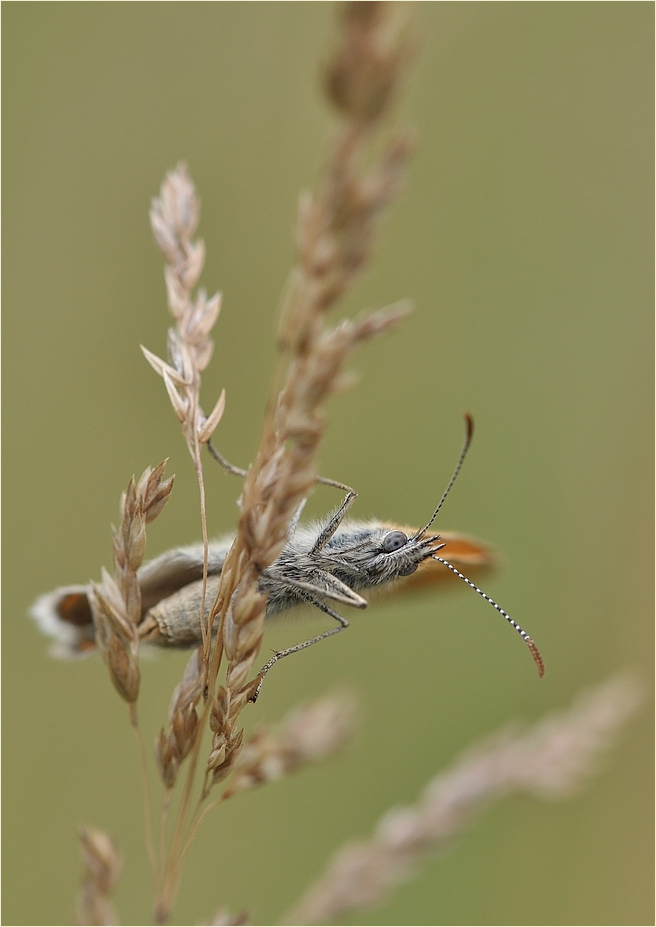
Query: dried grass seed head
(365, 73)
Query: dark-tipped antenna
(530, 643)
(469, 434)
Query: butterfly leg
(278, 655)
(238, 471)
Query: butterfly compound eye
(394, 541)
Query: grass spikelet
(116, 602)
(101, 869)
(174, 218)
(336, 231)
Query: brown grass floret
(116, 602)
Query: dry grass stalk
(550, 760)
(102, 865)
(116, 602)
(174, 219)
(335, 235)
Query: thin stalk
(148, 814)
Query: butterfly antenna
(469, 433)
(530, 643)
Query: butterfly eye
(394, 541)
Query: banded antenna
(469, 434)
(530, 643)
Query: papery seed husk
(123, 670)
(193, 265)
(111, 611)
(157, 502)
(220, 708)
(217, 757)
(179, 403)
(132, 598)
(238, 674)
(137, 546)
(168, 765)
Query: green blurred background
(524, 237)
